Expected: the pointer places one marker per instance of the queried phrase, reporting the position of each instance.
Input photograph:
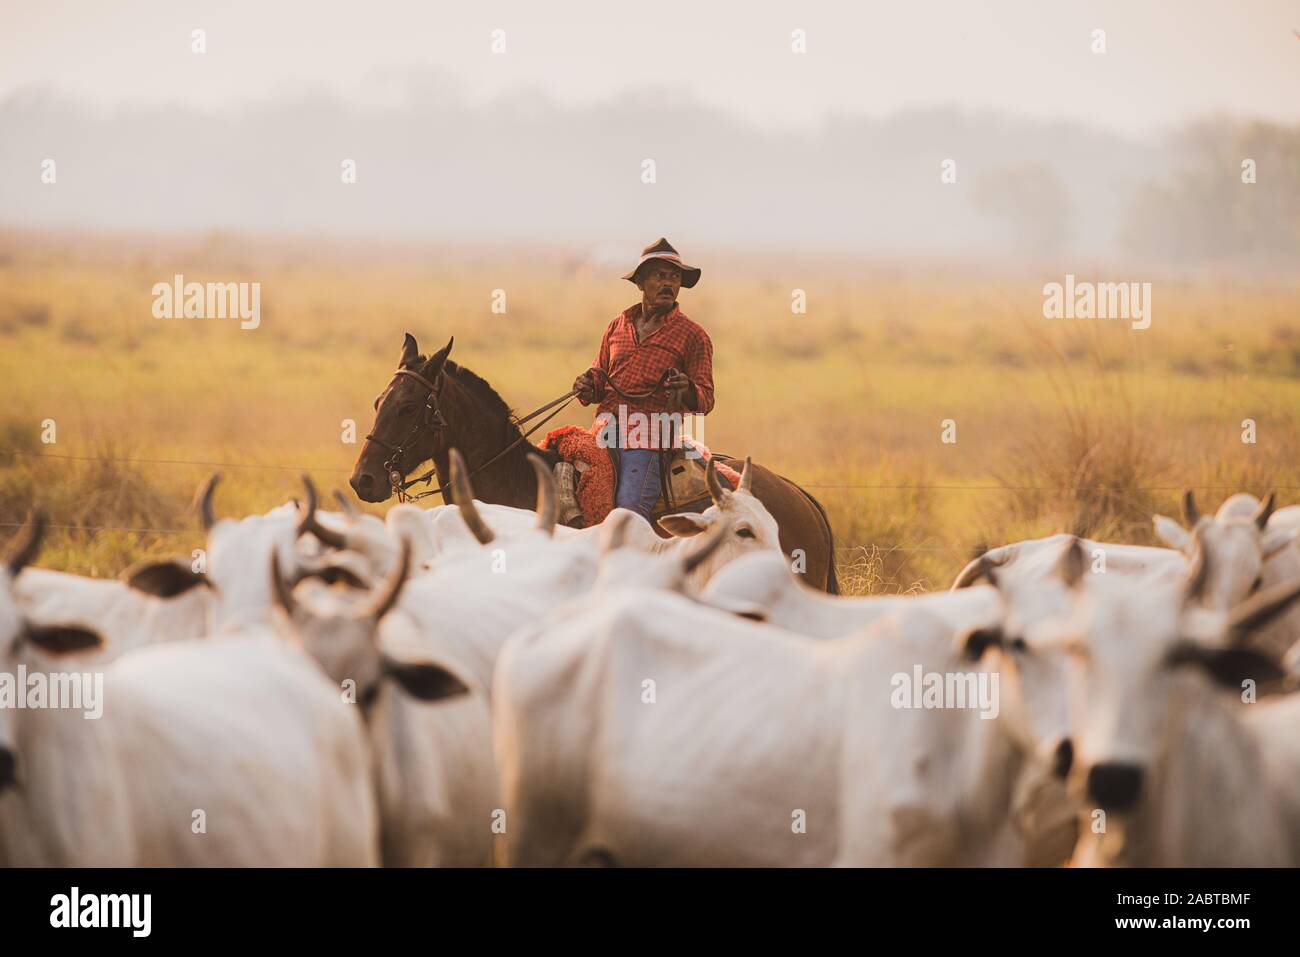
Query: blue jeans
(638, 480)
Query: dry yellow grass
(1061, 425)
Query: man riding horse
(654, 363)
(653, 351)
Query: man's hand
(681, 390)
(585, 386)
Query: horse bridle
(430, 417)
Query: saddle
(587, 476)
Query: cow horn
(1198, 572)
(462, 495)
(24, 546)
(548, 496)
(746, 477)
(1261, 608)
(1190, 514)
(281, 589)
(208, 514)
(712, 539)
(348, 506)
(307, 521)
(1265, 511)
(387, 594)
(614, 534)
(716, 491)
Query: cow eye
(745, 532)
(1258, 581)
(1017, 645)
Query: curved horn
(746, 477)
(548, 494)
(387, 594)
(462, 495)
(279, 587)
(23, 547)
(614, 534)
(1198, 571)
(1190, 514)
(716, 491)
(1265, 511)
(307, 521)
(1261, 608)
(207, 514)
(346, 504)
(712, 539)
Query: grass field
(1076, 425)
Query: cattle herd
(472, 685)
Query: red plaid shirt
(636, 366)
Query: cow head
(1032, 665)
(238, 547)
(340, 629)
(1146, 657)
(751, 527)
(19, 639)
(1237, 541)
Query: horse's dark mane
(479, 387)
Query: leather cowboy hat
(663, 249)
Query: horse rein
(432, 416)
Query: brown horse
(433, 405)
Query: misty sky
(1167, 60)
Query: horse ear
(410, 351)
(434, 365)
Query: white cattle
(230, 753)
(174, 599)
(1245, 552)
(762, 586)
(435, 777)
(124, 616)
(1171, 770)
(651, 730)
(1034, 559)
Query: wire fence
(885, 548)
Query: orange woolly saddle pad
(684, 488)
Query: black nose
(1064, 758)
(8, 766)
(364, 485)
(1115, 787)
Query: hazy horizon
(1133, 154)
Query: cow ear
(62, 639)
(165, 579)
(684, 526)
(1172, 534)
(1229, 667)
(1274, 540)
(975, 642)
(423, 680)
